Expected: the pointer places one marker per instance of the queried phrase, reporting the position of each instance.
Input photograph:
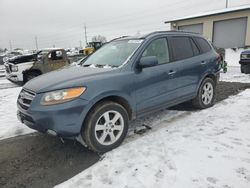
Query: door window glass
(158, 48)
(55, 55)
(205, 47)
(181, 47)
(195, 48)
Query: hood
(23, 58)
(66, 78)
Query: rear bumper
(217, 76)
(65, 119)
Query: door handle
(171, 72)
(204, 62)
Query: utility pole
(36, 42)
(226, 3)
(85, 31)
(10, 45)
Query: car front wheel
(105, 127)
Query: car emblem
(22, 95)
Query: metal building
(227, 28)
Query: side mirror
(148, 61)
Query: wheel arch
(29, 71)
(208, 75)
(117, 99)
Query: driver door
(153, 84)
(55, 60)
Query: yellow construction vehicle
(91, 47)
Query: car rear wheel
(241, 69)
(105, 127)
(206, 94)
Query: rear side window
(195, 48)
(181, 48)
(204, 46)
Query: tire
(241, 69)
(206, 94)
(99, 132)
(30, 75)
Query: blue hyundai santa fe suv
(125, 79)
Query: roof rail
(170, 31)
(118, 38)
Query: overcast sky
(61, 22)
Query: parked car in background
(20, 69)
(245, 62)
(127, 78)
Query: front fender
(104, 95)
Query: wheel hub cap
(109, 127)
(207, 93)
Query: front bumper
(14, 77)
(244, 62)
(65, 119)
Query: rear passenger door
(186, 53)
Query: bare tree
(99, 38)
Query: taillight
(219, 59)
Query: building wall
(208, 23)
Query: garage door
(230, 33)
(197, 28)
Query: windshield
(113, 54)
(42, 53)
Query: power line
(36, 42)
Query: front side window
(158, 48)
(181, 47)
(113, 54)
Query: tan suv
(21, 69)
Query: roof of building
(211, 13)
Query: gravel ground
(37, 160)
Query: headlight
(243, 56)
(14, 68)
(61, 96)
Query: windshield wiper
(95, 65)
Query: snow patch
(232, 56)
(9, 124)
(234, 75)
(208, 148)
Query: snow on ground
(9, 125)
(208, 148)
(232, 56)
(2, 71)
(4, 83)
(234, 75)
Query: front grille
(25, 98)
